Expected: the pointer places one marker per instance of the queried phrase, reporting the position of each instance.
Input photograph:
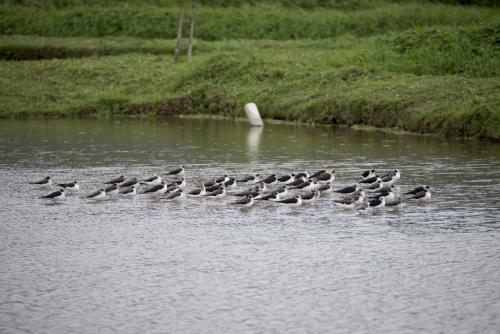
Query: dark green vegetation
(215, 23)
(416, 66)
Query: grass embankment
(21, 47)
(443, 77)
(246, 22)
(345, 81)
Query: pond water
(133, 265)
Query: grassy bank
(21, 47)
(307, 4)
(348, 81)
(420, 66)
(243, 22)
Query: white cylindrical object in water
(253, 114)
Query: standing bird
(396, 173)
(310, 197)
(387, 194)
(369, 181)
(318, 173)
(210, 183)
(296, 182)
(254, 178)
(219, 193)
(347, 190)
(158, 189)
(326, 177)
(384, 188)
(222, 179)
(55, 195)
(375, 186)
(111, 190)
(346, 203)
(389, 180)
(422, 196)
(178, 194)
(212, 188)
(152, 181)
(394, 204)
(292, 201)
(368, 174)
(119, 179)
(197, 192)
(274, 196)
(286, 178)
(179, 183)
(131, 182)
(377, 203)
(45, 182)
(358, 195)
(73, 186)
(231, 183)
(304, 175)
(417, 190)
(324, 187)
(270, 180)
(282, 192)
(129, 191)
(247, 192)
(176, 172)
(307, 186)
(172, 188)
(99, 194)
(245, 202)
(258, 192)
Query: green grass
(21, 47)
(333, 82)
(471, 51)
(406, 65)
(307, 4)
(245, 22)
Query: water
(204, 266)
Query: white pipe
(253, 114)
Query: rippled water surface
(203, 266)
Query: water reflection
(253, 139)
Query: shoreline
(439, 79)
(238, 119)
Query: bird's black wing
(195, 192)
(53, 195)
(318, 173)
(375, 202)
(94, 194)
(174, 171)
(346, 190)
(127, 190)
(153, 189)
(419, 195)
(288, 200)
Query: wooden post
(191, 32)
(179, 36)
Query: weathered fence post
(179, 36)
(191, 32)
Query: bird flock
(371, 192)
